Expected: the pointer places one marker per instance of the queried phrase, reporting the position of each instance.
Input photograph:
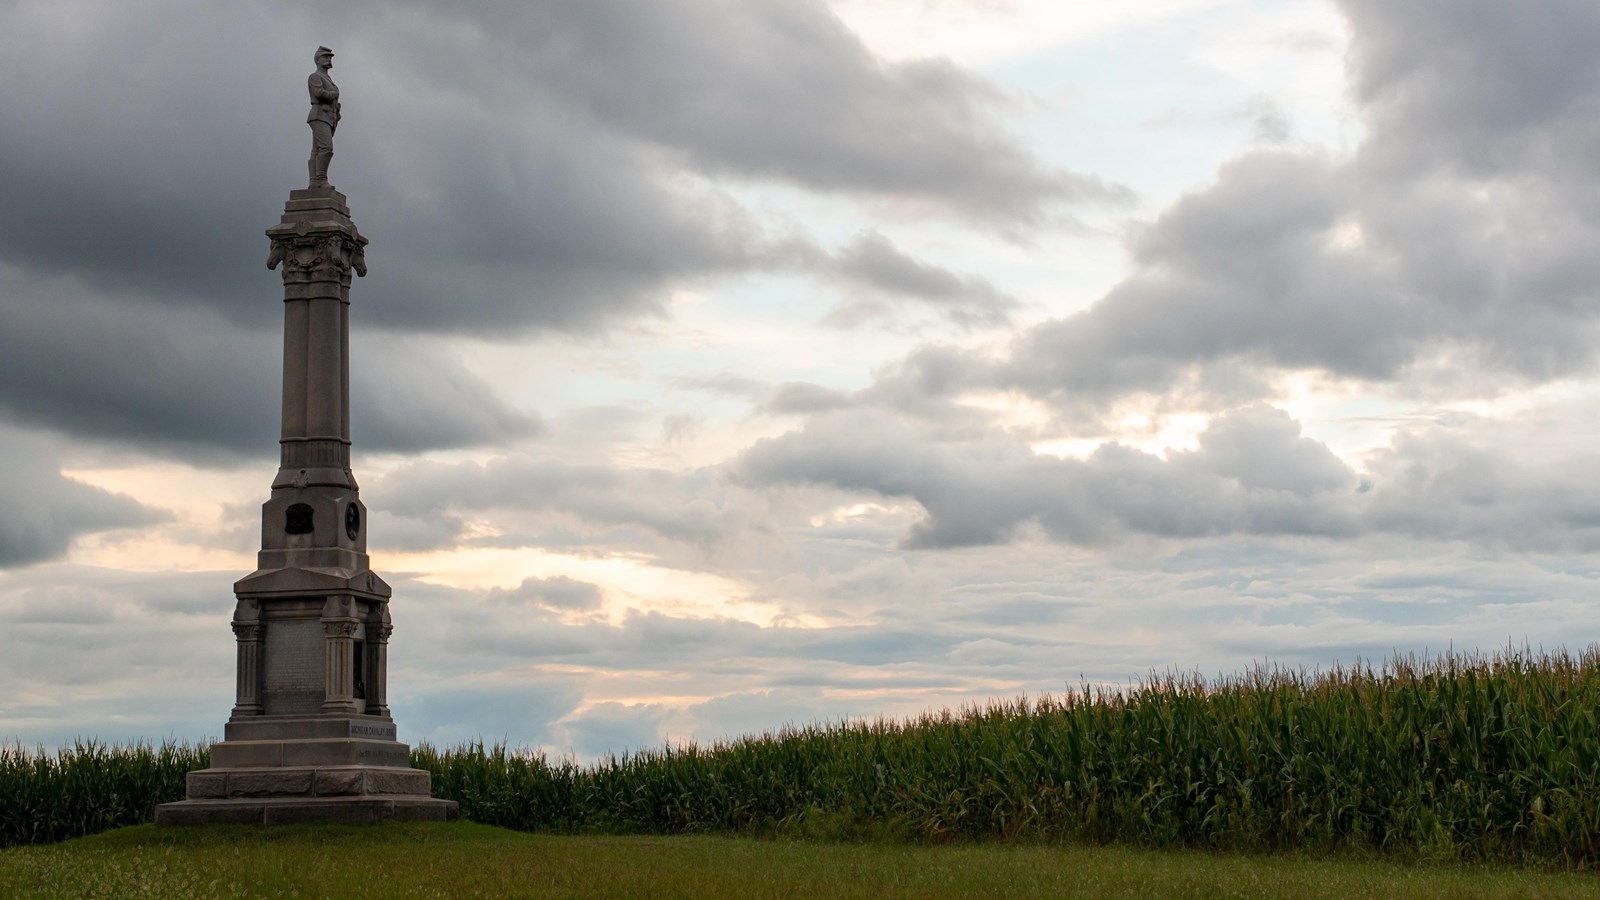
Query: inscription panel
(373, 730)
(398, 757)
(292, 678)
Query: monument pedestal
(311, 738)
(275, 769)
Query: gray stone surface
(357, 793)
(311, 738)
(316, 752)
(292, 675)
(206, 784)
(268, 811)
(307, 781)
(397, 781)
(333, 782)
(210, 812)
(275, 728)
(269, 783)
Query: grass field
(464, 859)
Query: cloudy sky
(726, 364)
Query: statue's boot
(318, 168)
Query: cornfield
(88, 787)
(1459, 757)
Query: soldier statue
(323, 118)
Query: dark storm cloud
(139, 153)
(564, 210)
(1253, 473)
(133, 371)
(562, 227)
(516, 167)
(125, 369)
(44, 510)
(784, 90)
(408, 395)
(1488, 87)
(175, 139)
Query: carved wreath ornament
(309, 252)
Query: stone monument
(311, 737)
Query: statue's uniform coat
(323, 119)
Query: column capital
(320, 256)
(318, 244)
(339, 629)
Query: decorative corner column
(339, 628)
(247, 632)
(378, 653)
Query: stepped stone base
(308, 769)
(331, 781)
(313, 752)
(285, 810)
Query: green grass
(464, 859)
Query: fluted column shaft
(378, 688)
(320, 249)
(339, 627)
(248, 690)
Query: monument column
(339, 628)
(304, 741)
(378, 648)
(247, 633)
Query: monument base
(308, 769)
(286, 810)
